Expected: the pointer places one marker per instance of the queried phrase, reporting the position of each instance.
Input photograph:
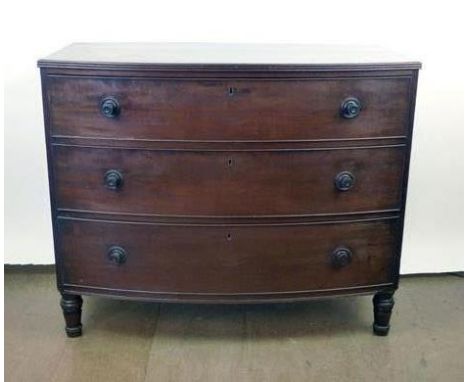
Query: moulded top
(155, 55)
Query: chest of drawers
(227, 174)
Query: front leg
(71, 307)
(383, 305)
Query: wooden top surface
(131, 55)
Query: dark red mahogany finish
(227, 183)
(224, 259)
(256, 110)
(221, 183)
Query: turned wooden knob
(350, 108)
(344, 181)
(110, 107)
(113, 180)
(341, 257)
(117, 255)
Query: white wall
(431, 33)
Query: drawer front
(228, 109)
(229, 260)
(228, 183)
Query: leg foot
(383, 305)
(71, 307)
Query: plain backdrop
(429, 31)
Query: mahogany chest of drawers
(227, 174)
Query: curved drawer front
(229, 109)
(225, 259)
(190, 183)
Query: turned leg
(383, 305)
(71, 307)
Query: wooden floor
(327, 340)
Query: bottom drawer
(223, 259)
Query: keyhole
(229, 162)
(228, 236)
(231, 91)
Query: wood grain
(206, 110)
(228, 183)
(215, 181)
(225, 260)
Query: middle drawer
(214, 183)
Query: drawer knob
(344, 181)
(113, 180)
(117, 254)
(341, 257)
(110, 107)
(350, 108)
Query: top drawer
(226, 110)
